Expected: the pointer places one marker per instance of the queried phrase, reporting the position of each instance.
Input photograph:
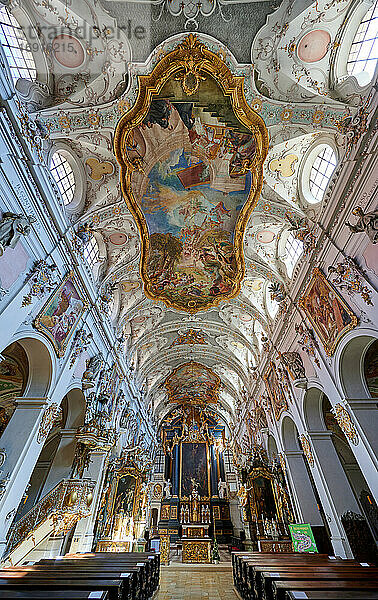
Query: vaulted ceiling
(89, 101)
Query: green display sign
(302, 538)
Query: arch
(351, 367)
(313, 409)
(272, 446)
(289, 434)
(41, 364)
(75, 408)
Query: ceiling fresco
(191, 173)
(191, 150)
(193, 383)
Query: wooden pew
(315, 574)
(58, 595)
(333, 595)
(150, 561)
(248, 587)
(240, 559)
(131, 576)
(280, 588)
(114, 587)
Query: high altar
(195, 508)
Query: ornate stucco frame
(189, 62)
(277, 413)
(329, 345)
(60, 351)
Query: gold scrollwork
(196, 551)
(307, 450)
(345, 422)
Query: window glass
(294, 250)
(363, 54)
(91, 251)
(321, 172)
(63, 174)
(16, 47)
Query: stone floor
(196, 582)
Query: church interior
(189, 412)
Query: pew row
(100, 576)
(259, 576)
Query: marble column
(301, 487)
(176, 470)
(334, 489)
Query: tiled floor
(196, 582)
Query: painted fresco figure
(159, 113)
(12, 227)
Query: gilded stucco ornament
(52, 414)
(345, 422)
(41, 281)
(346, 276)
(192, 213)
(307, 450)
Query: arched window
(321, 171)
(91, 251)
(64, 176)
(294, 250)
(16, 47)
(363, 55)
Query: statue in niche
(294, 364)
(222, 489)
(367, 223)
(12, 227)
(94, 365)
(168, 489)
(243, 495)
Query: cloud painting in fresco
(191, 231)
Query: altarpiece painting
(330, 316)
(59, 317)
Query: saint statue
(168, 489)
(12, 227)
(294, 363)
(222, 489)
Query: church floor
(196, 582)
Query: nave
(188, 299)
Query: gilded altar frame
(306, 302)
(122, 472)
(266, 474)
(188, 63)
(208, 465)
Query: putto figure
(367, 223)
